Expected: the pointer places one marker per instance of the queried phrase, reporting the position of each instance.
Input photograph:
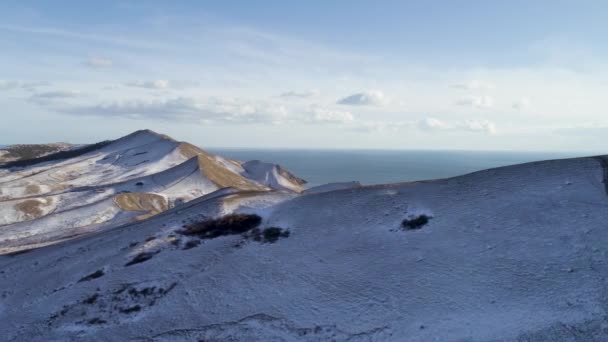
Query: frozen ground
(511, 254)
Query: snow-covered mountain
(132, 178)
(516, 253)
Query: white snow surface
(76, 194)
(269, 174)
(510, 254)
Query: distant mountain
(10, 153)
(176, 244)
(76, 191)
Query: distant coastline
(386, 166)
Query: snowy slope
(510, 254)
(131, 178)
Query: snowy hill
(131, 178)
(510, 254)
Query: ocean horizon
(386, 166)
(322, 166)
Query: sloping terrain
(30, 151)
(99, 186)
(510, 254)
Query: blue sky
(515, 75)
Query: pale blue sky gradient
(514, 75)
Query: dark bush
(191, 244)
(94, 275)
(273, 234)
(416, 222)
(267, 235)
(91, 299)
(141, 257)
(96, 320)
(132, 309)
(226, 225)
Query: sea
(385, 166)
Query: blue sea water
(377, 167)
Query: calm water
(376, 167)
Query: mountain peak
(149, 133)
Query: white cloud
(521, 104)
(479, 126)
(155, 84)
(26, 85)
(162, 84)
(323, 115)
(49, 97)
(432, 124)
(58, 94)
(474, 85)
(301, 94)
(98, 62)
(185, 109)
(480, 101)
(368, 98)
(210, 110)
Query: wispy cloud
(155, 84)
(50, 97)
(300, 94)
(472, 125)
(162, 84)
(70, 34)
(98, 62)
(26, 85)
(474, 85)
(368, 98)
(480, 101)
(324, 115)
(521, 104)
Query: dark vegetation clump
(29, 151)
(91, 299)
(139, 183)
(56, 156)
(94, 275)
(141, 257)
(96, 320)
(226, 225)
(273, 234)
(191, 244)
(267, 235)
(416, 222)
(132, 309)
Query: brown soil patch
(32, 189)
(215, 171)
(32, 208)
(152, 204)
